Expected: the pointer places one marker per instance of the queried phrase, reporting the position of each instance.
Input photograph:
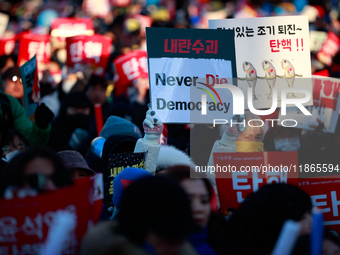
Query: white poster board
(271, 52)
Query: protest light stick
(287, 239)
(99, 117)
(316, 236)
(63, 223)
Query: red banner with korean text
(325, 194)
(92, 50)
(24, 223)
(66, 27)
(329, 48)
(30, 45)
(239, 174)
(10, 44)
(129, 67)
(7, 45)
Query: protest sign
(325, 194)
(24, 222)
(4, 18)
(97, 8)
(129, 67)
(29, 76)
(66, 27)
(117, 162)
(272, 52)
(30, 45)
(316, 39)
(185, 65)
(239, 174)
(7, 45)
(98, 196)
(92, 50)
(121, 3)
(329, 48)
(326, 105)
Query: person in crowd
(6, 62)
(3, 140)
(331, 243)
(35, 170)
(16, 143)
(160, 227)
(122, 181)
(121, 136)
(212, 239)
(12, 83)
(96, 91)
(238, 138)
(313, 147)
(257, 223)
(37, 132)
(75, 162)
(279, 138)
(71, 125)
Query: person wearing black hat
(12, 83)
(15, 117)
(71, 126)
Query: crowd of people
(162, 210)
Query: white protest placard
(326, 105)
(271, 52)
(185, 66)
(4, 18)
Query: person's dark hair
(331, 236)
(3, 60)
(155, 204)
(94, 80)
(263, 213)
(12, 133)
(13, 174)
(182, 172)
(73, 99)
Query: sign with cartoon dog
(271, 52)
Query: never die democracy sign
(184, 67)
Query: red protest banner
(129, 67)
(239, 174)
(92, 50)
(329, 48)
(121, 3)
(24, 223)
(30, 45)
(163, 139)
(325, 194)
(66, 27)
(7, 45)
